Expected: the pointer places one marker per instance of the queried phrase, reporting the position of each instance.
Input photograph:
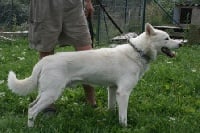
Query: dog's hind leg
(111, 97)
(34, 102)
(46, 98)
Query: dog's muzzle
(168, 52)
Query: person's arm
(88, 8)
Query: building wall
(176, 16)
(195, 16)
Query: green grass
(166, 100)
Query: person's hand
(88, 8)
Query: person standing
(60, 22)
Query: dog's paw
(30, 122)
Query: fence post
(98, 24)
(143, 15)
(125, 11)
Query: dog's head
(161, 41)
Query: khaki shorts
(59, 22)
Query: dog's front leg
(111, 98)
(122, 100)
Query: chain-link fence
(126, 14)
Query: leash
(90, 26)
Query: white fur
(120, 68)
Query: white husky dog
(119, 68)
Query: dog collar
(142, 54)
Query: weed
(166, 99)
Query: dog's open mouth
(168, 52)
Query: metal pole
(143, 15)
(98, 24)
(12, 7)
(11, 22)
(125, 11)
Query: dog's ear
(149, 29)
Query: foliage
(166, 99)
(156, 14)
(13, 14)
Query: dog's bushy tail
(25, 86)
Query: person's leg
(75, 32)
(89, 90)
(45, 29)
(43, 54)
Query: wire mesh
(127, 14)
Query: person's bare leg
(90, 94)
(43, 54)
(89, 90)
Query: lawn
(166, 100)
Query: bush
(12, 15)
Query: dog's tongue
(168, 52)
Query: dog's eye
(167, 38)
